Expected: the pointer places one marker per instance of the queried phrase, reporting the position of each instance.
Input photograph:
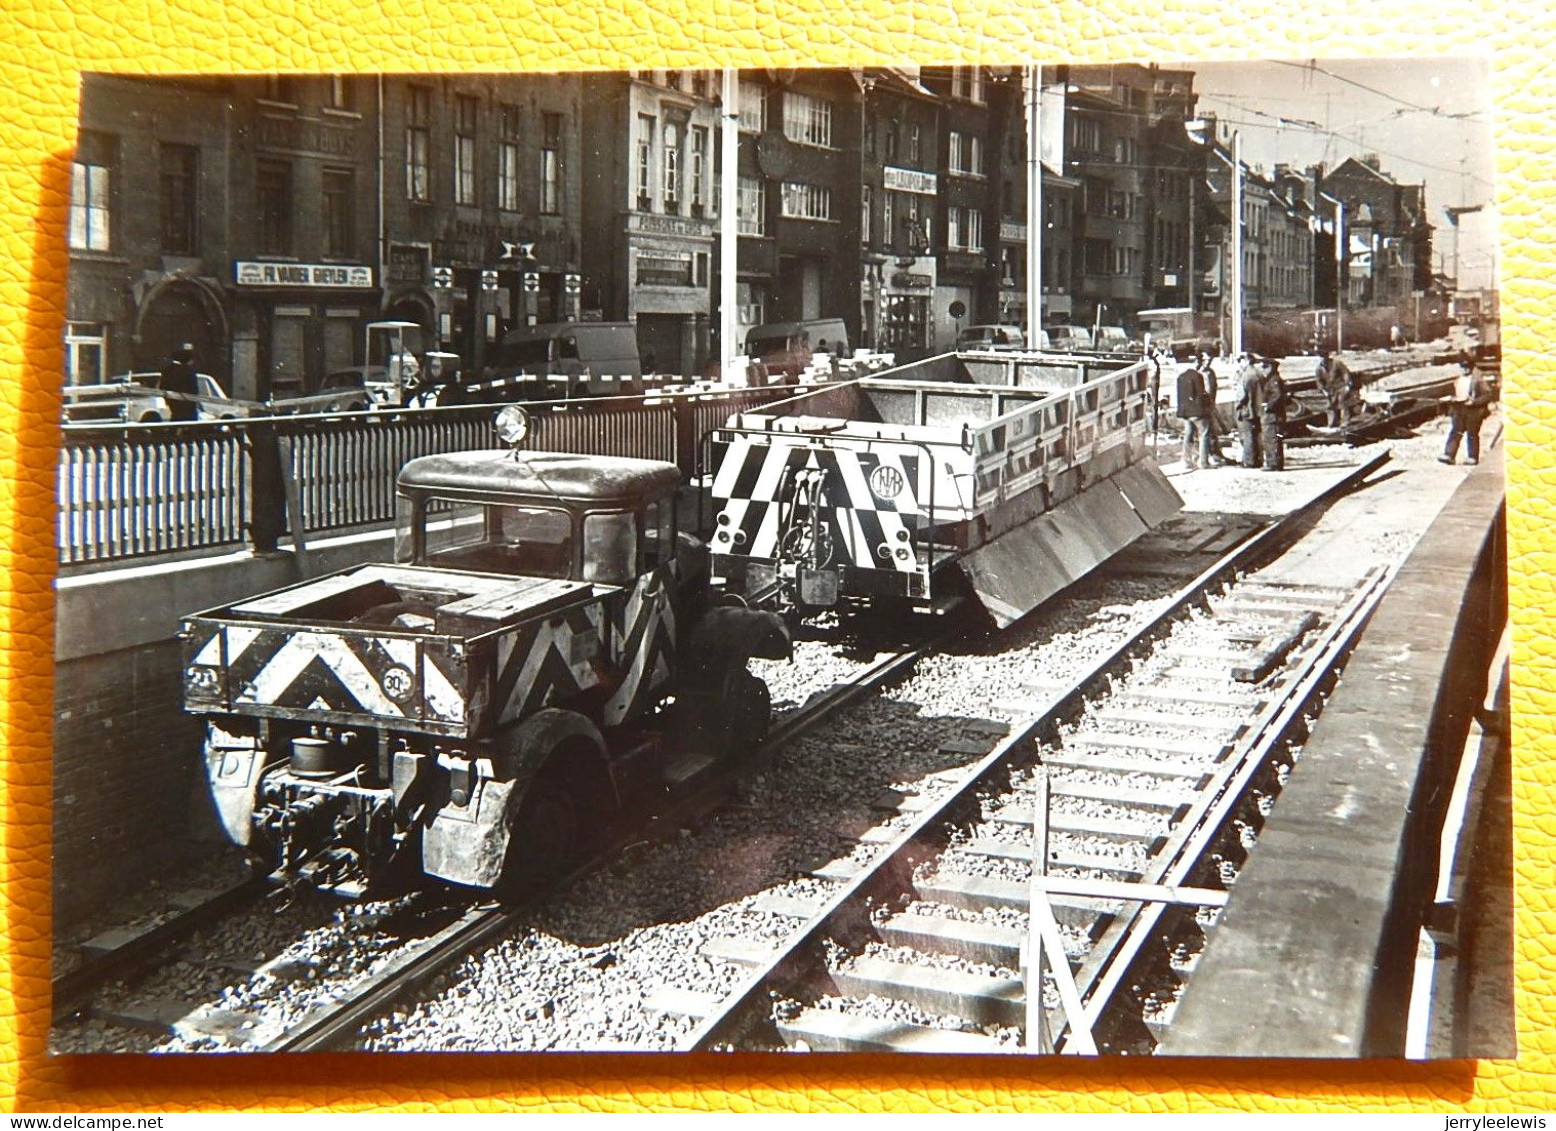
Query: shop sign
(407, 265)
(304, 136)
(909, 281)
(689, 228)
(318, 275)
(909, 180)
(1012, 232)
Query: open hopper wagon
(878, 489)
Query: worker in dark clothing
(1272, 414)
(178, 380)
(1339, 388)
(1467, 409)
(1212, 390)
(1194, 410)
(1247, 411)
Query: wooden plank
(842, 870)
(949, 993)
(1170, 720)
(742, 952)
(789, 906)
(974, 941)
(1132, 892)
(1156, 694)
(1081, 825)
(1111, 740)
(978, 893)
(676, 1002)
(1124, 764)
(1123, 795)
(830, 1030)
(1274, 651)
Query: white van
(787, 347)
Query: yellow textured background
(43, 46)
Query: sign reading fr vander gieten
(248, 274)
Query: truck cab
(543, 651)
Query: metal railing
(131, 492)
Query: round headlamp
(512, 425)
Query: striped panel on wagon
(848, 508)
(324, 675)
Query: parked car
(134, 398)
(992, 338)
(1114, 340)
(1069, 338)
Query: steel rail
(69, 990)
(1112, 958)
(848, 909)
(332, 1025)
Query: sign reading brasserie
(302, 275)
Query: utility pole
(1237, 243)
(1034, 93)
(729, 224)
(1340, 279)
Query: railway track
(430, 934)
(1089, 830)
(402, 975)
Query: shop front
(905, 319)
(295, 322)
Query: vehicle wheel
(150, 418)
(543, 838)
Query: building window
(753, 107)
(964, 229)
(915, 145)
(1009, 266)
(339, 212)
(664, 269)
(339, 93)
(278, 88)
(889, 218)
(807, 120)
(699, 169)
(966, 154)
(273, 189)
(866, 199)
(464, 150)
(916, 219)
(551, 164)
(418, 143)
(508, 159)
(967, 82)
(91, 200)
(753, 207)
(672, 168)
(893, 141)
(645, 163)
(85, 353)
(180, 167)
(806, 202)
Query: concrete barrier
(1314, 953)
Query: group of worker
(1260, 411)
(1261, 408)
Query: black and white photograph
(982, 560)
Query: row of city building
(268, 219)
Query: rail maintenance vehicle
(544, 651)
(914, 486)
